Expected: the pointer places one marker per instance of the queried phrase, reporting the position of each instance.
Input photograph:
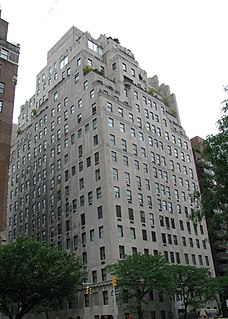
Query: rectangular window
(132, 132)
(153, 234)
(4, 54)
(140, 199)
(114, 156)
(97, 175)
(115, 174)
(79, 61)
(193, 259)
(95, 140)
(2, 87)
(164, 238)
(109, 106)
(118, 211)
(127, 178)
(94, 122)
(116, 192)
(76, 78)
(134, 148)
(101, 232)
(65, 102)
(125, 160)
(145, 168)
(142, 216)
(121, 252)
(93, 46)
(92, 94)
(120, 112)
(141, 136)
(119, 230)
(82, 200)
(1, 106)
(112, 140)
(130, 214)
(136, 163)
(132, 233)
(90, 197)
(122, 127)
(98, 192)
(131, 118)
(79, 150)
(94, 276)
(55, 96)
(105, 297)
(94, 109)
(129, 196)
(144, 234)
(102, 253)
(110, 122)
(124, 144)
(81, 183)
(103, 274)
(96, 158)
(99, 212)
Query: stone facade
(104, 168)
(9, 55)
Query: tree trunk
(140, 311)
(185, 311)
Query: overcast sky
(184, 42)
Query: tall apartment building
(103, 167)
(9, 56)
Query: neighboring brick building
(9, 56)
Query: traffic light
(88, 290)
(114, 281)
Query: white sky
(184, 42)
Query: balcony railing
(223, 268)
(221, 244)
(222, 256)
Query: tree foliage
(32, 273)
(222, 282)
(194, 285)
(214, 193)
(138, 275)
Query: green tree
(222, 282)
(214, 191)
(194, 285)
(31, 274)
(138, 275)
